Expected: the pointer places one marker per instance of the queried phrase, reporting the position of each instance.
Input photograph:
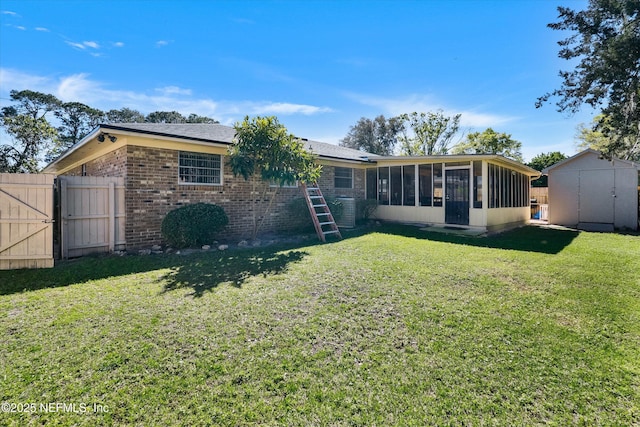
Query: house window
(425, 184)
(396, 185)
(383, 186)
(83, 171)
(200, 168)
(409, 185)
(343, 178)
(477, 184)
(507, 188)
(437, 184)
(372, 181)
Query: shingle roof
(224, 134)
(195, 131)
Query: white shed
(590, 191)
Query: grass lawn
(395, 327)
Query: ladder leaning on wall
(320, 214)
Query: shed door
(597, 188)
(457, 197)
(26, 211)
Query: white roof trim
(546, 171)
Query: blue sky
(318, 65)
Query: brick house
(169, 165)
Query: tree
(605, 45)
(263, 146)
(194, 118)
(165, 117)
(598, 137)
(377, 136)
(490, 142)
(76, 121)
(543, 161)
(124, 115)
(31, 132)
(427, 134)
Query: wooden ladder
(320, 214)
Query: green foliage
(604, 45)
(426, 134)
(76, 121)
(490, 142)
(263, 145)
(27, 123)
(32, 135)
(193, 225)
(365, 208)
(543, 161)
(377, 136)
(124, 115)
(176, 117)
(599, 136)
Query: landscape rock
(156, 248)
(243, 244)
(223, 247)
(206, 247)
(144, 252)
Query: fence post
(112, 216)
(64, 244)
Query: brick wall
(153, 189)
(327, 184)
(111, 164)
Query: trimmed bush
(193, 225)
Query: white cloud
(173, 90)
(42, 29)
(287, 108)
(91, 44)
(20, 27)
(118, 44)
(161, 43)
(81, 88)
(76, 45)
(8, 12)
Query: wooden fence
(26, 217)
(92, 215)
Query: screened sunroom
(486, 192)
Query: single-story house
(169, 165)
(590, 191)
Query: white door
(597, 190)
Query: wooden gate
(26, 216)
(92, 215)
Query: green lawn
(395, 327)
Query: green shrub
(365, 208)
(193, 225)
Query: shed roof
(583, 153)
